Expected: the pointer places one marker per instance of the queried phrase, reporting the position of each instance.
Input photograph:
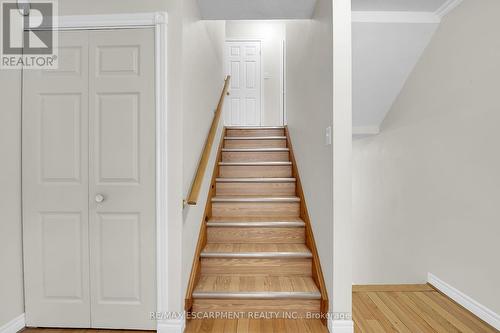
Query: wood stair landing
(256, 251)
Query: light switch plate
(328, 136)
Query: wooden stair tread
(261, 284)
(256, 180)
(254, 127)
(255, 138)
(256, 224)
(257, 248)
(255, 141)
(269, 163)
(256, 198)
(255, 219)
(259, 222)
(256, 251)
(254, 150)
(258, 150)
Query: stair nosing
(257, 295)
(256, 255)
(254, 127)
(275, 163)
(256, 224)
(256, 199)
(256, 180)
(254, 150)
(255, 138)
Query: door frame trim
(158, 21)
(251, 40)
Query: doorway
(89, 183)
(244, 64)
(271, 36)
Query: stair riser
(267, 266)
(259, 156)
(255, 132)
(282, 307)
(232, 171)
(255, 144)
(265, 189)
(255, 209)
(256, 235)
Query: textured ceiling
(256, 9)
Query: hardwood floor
(77, 330)
(410, 309)
(256, 326)
(376, 309)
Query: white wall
(342, 167)
(384, 55)
(203, 80)
(426, 189)
(309, 103)
(11, 277)
(272, 34)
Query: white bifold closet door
(89, 183)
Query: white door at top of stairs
(243, 63)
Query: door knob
(99, 198)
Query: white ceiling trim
(432, 19)
(405, 17)
(365, 130)
(394, 17)
(447, 7)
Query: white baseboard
(14, 326)
(467, 302)
(164, 326)
(171, 326)
(340, 326)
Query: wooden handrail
(192, 198)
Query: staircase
(256, 251)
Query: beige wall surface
(11, 276)
(426, 189)
(203, 80)
(272, 34)
(309, 101)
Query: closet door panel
(122, 179)
(55, 188)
